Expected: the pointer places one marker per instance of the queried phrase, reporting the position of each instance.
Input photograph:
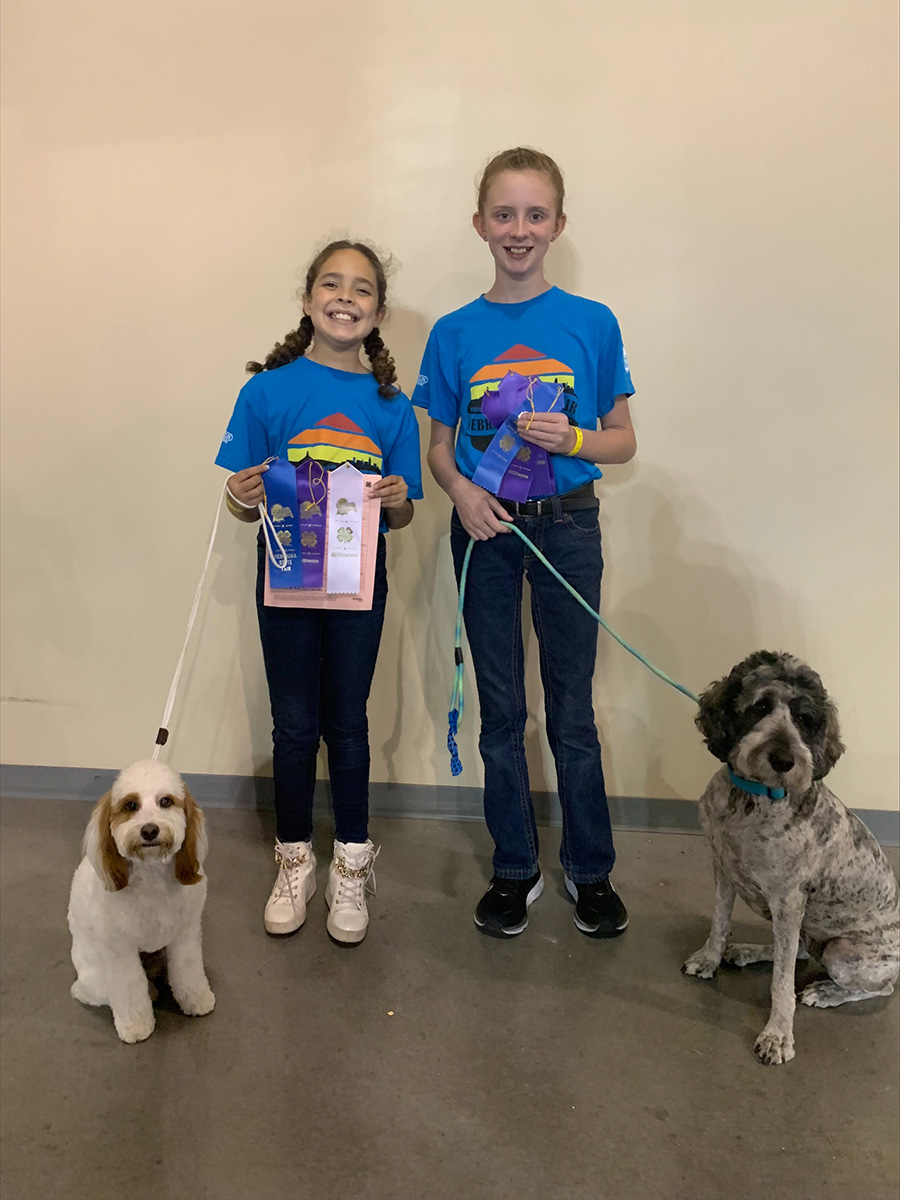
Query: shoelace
(287, 865)
(353, 881)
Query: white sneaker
(295, 885)
(350, 876)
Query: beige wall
(170, 167)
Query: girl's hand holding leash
(246, 488)
(481, 513)
(549, 430)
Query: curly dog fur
(803, 862)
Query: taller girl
(526, 325)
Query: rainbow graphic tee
(555, 337)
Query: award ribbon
(345, 504)
(511, 468)
(280, 484)
(312, 495)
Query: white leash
(162, 735)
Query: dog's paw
(196, 1003)
(742, 954)
(136, 1028)
(824, 994)
(775, 1045)
(86, 995)
(701, 964)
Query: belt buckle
(540, 505)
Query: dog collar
(755, 789)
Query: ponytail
(294, 346)
(383, 367)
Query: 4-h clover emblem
(524, 454)
(507, 442)
(308, 538)
(345, 534)
(284, 536)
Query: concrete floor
(548, 1066)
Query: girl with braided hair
(313, 397)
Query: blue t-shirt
(557, 337)
(305, 410)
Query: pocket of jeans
(584, 522)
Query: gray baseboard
(422, 801)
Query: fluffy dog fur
(804, 862)
(139, 889)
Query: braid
(382, 364)
(294, 346)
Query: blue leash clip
(453, 722)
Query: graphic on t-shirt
(335, 440)
(524, 361)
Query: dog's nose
(149, 832)
(780, 761)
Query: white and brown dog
(140, 888)
(784, 843)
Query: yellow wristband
(579, 442)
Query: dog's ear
(100, 849)
(191, 856)
(716, 718)
(834, 747)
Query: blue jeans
(567, 638)
(319, 667)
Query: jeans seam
(524, 796)
(555, 746)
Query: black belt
(582, 497)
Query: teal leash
(456, 699)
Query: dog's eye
(762, 707)
(131, 806)
(809, 722)
(166, 802)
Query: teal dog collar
(755, 789)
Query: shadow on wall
(697, 609)
(700, 609)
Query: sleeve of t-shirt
(404, 456)
(621, 376)
(616, 377)
(436, 388)
(246, 440)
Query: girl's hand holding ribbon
(391, 491)
(247, 486)
(549, 430)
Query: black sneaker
(503, 909)
(598, 910)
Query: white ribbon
(345, 510)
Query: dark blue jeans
(567, 638)
(319, 667)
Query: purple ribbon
(312, 502)
(512, 468)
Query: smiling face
(343, 302)
(519, 220)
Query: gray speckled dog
(789, 848)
